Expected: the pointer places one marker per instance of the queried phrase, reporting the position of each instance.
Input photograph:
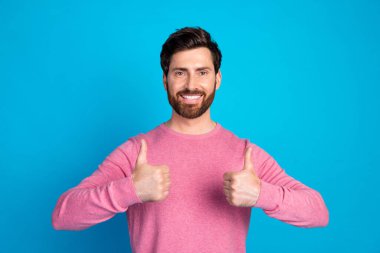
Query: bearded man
(189, 184)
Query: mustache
(190, 92)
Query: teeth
(192, 97)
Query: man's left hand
(242, 188)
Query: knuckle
(158, 176)
(233, 196)
(163, 195)
(156, 197)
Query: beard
(190, 111)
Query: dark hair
(189, 38)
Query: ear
(218, 79)
(164, 80)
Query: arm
(285, 198)
(108, 191)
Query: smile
(191, 99)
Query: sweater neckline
(190, 136)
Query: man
(189, 184)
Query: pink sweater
(195, 217)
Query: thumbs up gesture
(242, 188)
(151, 182)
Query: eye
(203, 73)
(178, 73)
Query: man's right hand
(151, 182)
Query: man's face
(191, 82)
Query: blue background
(300, 79)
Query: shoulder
(259, 154)
(132, 144)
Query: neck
(201, 125)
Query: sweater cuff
(269, 197)
(125, 192)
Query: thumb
(248, 164)
(141, 158)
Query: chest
(196, 169)
(196, 196)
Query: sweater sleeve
(97, 198)
(284, 198)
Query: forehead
(192, 58)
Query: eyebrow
(197, 69)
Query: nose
(191, 82)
